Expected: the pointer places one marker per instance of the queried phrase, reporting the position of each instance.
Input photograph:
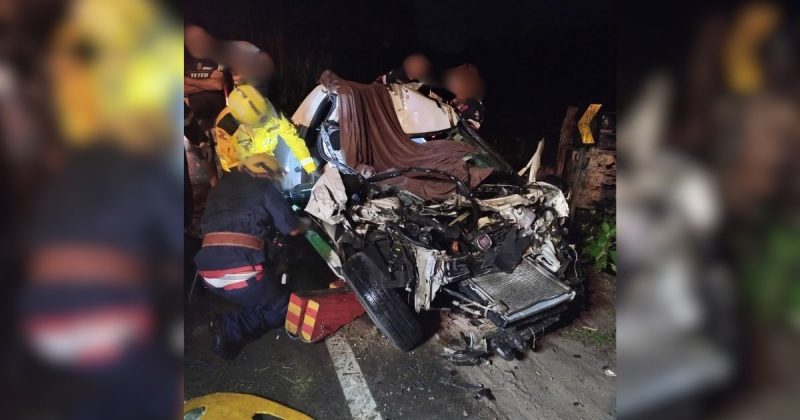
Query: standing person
(250, 121)
(244, 59)
(204, 88)
(242, 215)
(466, 84)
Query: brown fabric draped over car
(371, 135)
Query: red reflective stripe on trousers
(235, 270)
(242, 284)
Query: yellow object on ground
(234, 406)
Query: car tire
(388, 311)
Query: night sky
(537, 57)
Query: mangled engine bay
(498, 251)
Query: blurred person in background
(466, 84)
(204, 87)
(247, 62)
(416, 68)
(105, 240)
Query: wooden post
(565, 140)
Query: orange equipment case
(312, 316)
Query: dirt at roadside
(569, 374)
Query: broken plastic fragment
(608, 372)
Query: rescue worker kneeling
(250, 122)
(241, 216)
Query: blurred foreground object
(667, 213)
(708, 231)
(742, 52)
(116, 75)
(105, 238)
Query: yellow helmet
(124, 84)
(249, 107)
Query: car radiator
(528, 290)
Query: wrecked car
(421, 214)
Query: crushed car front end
(497, 250)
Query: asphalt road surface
(356, 373)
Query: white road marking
(356, 391)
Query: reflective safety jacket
(236, 140)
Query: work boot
(220, 344)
